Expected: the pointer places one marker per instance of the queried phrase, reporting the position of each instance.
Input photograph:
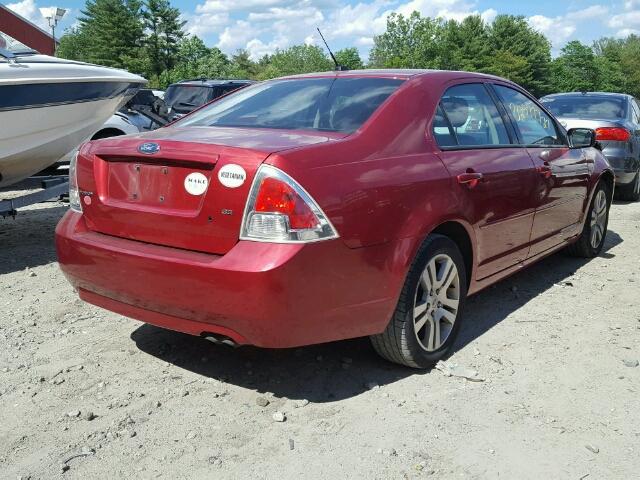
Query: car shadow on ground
(28, 240)
(339, 370)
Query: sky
(262, 26)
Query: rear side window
(324, 104)
(535, 126)
(468, 117)
(187, 96)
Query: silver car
(616, 119)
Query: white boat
(48, 106)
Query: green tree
(577, 69)
(349, 58)
(164, 33)
(408, 42)
(620, 59)
(465, 45)
(114, 33)
(242, 66)
(73, 45)
(512, 38)
(195, 60)
(296, 59)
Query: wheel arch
(462, 236)
(107, 132)
(608, 178)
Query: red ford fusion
(334, 205)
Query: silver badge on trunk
(149, 148)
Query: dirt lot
(85, 393)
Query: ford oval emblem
(149, 148)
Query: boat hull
(49, 106)
(32, 139)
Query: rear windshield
(186, 96)
(604, 108)
(324, 104)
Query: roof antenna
(339, 68)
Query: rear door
(496, 179)
(563, 173)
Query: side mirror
(581, 137)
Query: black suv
(185, 96)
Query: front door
(563, 173)
(494, 178)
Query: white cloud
(262, 26)
(489, 15)
(206, 23)
(29, 10)
(557, 29)
(625, 20)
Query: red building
(25, 32)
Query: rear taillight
(280, 210)
(74, 193)
(616, 134)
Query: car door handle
(545, 170)
(470, 179)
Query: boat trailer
(50, 186)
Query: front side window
(468, 117)
(324, 104)
(535, 126)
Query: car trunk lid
(188, 191)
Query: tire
(631, 192)
(400, 343)
(588, 245)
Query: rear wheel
(592, 238)
(426, 321)
(630, 192)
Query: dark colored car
(185, 96)
(334, 205)
(616, 119)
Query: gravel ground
(85, 393)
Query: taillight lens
(280, 210)
(616, 134)
(74, 193)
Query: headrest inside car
(457, 110)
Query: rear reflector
(616, 134)
(280, 210)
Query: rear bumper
(623, 165)
(269, 295)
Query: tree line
(149, 38)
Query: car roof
(588, 94)
(397, 73)
(212, 82)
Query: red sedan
(334, 205)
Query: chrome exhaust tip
(220, 339)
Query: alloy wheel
(436, 302)
(598, 218)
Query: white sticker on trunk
(196, 183)
(232, 175)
